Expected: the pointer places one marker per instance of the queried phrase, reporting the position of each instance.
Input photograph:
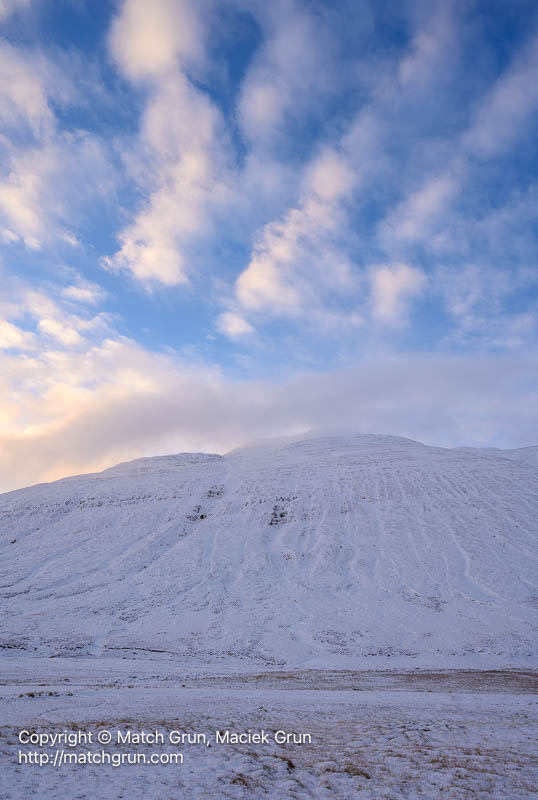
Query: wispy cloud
(44, 165)
(502, 116)
(393, 287)
(7, 7)
(297, 257)
(420, 214)
(292, 71)
(301, 262)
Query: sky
(226, 219)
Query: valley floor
(377, 735)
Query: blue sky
(225, 220)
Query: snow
(371, 591)
(349, 551)
(373, 735)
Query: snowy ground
(373, 735)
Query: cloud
(43, 315)
(65, 334)
(291, 72)
(434, 51)
(330, 176)
(150, 40)
(69, 413)
(84, 291)
(8, 7)
(302, 260)
(25, 86)
(443, 211)
(233, 325)
(478, 298)
(44, 164)
(179, 143)
(296, 261)
(12, 336)
(178, 158)
(505, 113)
(393, 287)
(422, 211)
(40, 196)
(182, 161)
(300, 263)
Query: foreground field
(458, 734)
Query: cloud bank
(76, 396)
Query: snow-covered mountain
(348, 551)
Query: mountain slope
(353, 550)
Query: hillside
(335, 551)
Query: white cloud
(463, 290)
(393, 287)
(179, 141)
(300, 259)
(422, 212)
(44, 167)
(24, 106)
(23, 195)
(503, 115)
(300, 262)
(71, 238)
(24, 89)
(150, 39)
(178, 159)
(84, 291)
(434, 46)
(330, 176)
(292, 70)
(65, 334)
(40, 195)
(46, 367)
(64, 321)
(478, 296)
(68, 412)
(295, 262)
(233, 325)
(427, 215)
(12, 336)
